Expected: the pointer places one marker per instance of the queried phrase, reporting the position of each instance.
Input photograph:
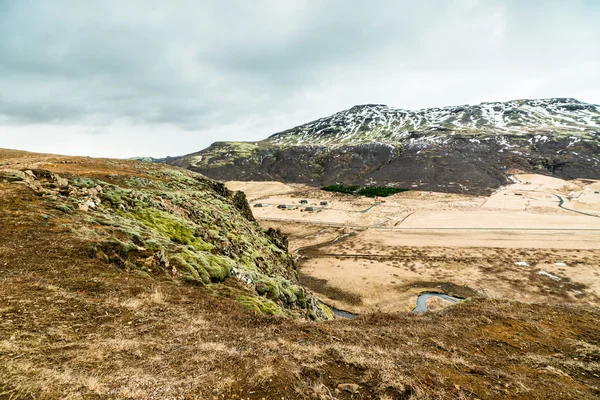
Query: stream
(342, 313)
(422, 299)
(420, 308)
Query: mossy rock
(173, 227)
(269, 287)
(260, 305)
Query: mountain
(454, 149)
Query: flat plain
(536, 240)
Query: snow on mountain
(379, 123)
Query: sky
(164, 78)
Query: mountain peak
(377, 122)
(363, 106)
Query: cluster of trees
(380, 191)
(341, 188)
(369, 191)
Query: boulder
(12, 175)
(51, 179)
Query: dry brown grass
(73, 327)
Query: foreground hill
(122, 279)
(454, 149)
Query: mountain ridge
(505, 117)
(431, 148)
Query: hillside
(158, 221)
(130, 280)
(451, 149)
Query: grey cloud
(244, 69)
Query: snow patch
(522, 264)
(546, 274)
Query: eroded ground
(363, 254)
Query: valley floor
(537, 240)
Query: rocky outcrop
(278, 238)
(240, 201)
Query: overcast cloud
(138, 77)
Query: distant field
(388, 251)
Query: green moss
(279, 289)
(135, 181)
(114, 196)
(66, 208)
(152, 244)
(294, 294)
(269, 287)
(190, 272)
(141, 274)
(166, 224)
(201, 245)
(260, 305)
(82, 182)
(248, 264)
(327, 311)
(204, 267)
(124, 248)
(219, 267)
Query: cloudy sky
(125, 78)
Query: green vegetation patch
(66, 208)
(202, 267)
(380, 191)
(280, 289)
(166, 224)
(260, 305)
(369, 191)
(340, 188)
(170, 222)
